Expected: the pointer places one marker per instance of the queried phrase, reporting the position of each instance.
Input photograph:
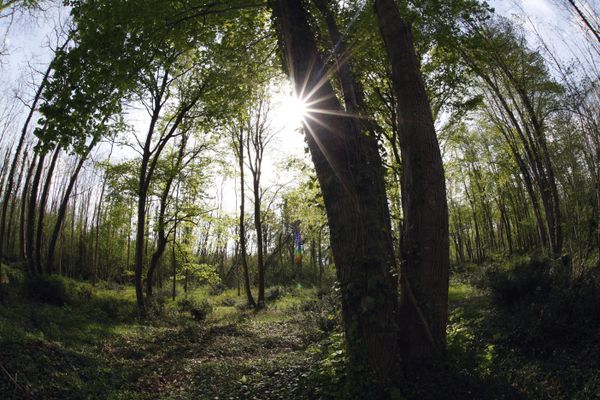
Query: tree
(182, 169)
(238, 143)
(350, 174)
(521, 96)
(15, 161)
(425, 244)
(259, 135)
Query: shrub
(47, 289)
(228, 302)
(79, 292)
(155, 304)
(216, 289)
(202, 310)
(324, 312)
(199, 310)
(542, 308)
(520, 284)
(275, 293)
(329, 372)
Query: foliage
(47, 289)
(544, 307)
(512, 122)
(202, 273)
(324, 311)
(331, 366)
(216, 288)
(199, 310)
(274, 293)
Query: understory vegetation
(518, 329)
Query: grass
(97, 346)
(102, 349)
(460, 293)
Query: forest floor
(101, 349)
(96, 346)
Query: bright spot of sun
(293, 110)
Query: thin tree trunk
(63, 208)
(15, 161)
(31, 207)
(11, 217)
(244, 258)
(42, 211)
(24, 202)
(98, 217)
(163, 237)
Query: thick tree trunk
(352, 92)
(140, 233)
(425, 242)
(350, 174)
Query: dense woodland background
(149, 244)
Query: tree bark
(15, 161)
(350, 174)
(31, 207)
(42, 212)
(240, 150)
(425, 240)
(62, 210)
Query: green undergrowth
(528, 328)
(98, 346)
(208, 345)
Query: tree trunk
(42, 211)
(62, 210)
(162, 235)
(13, 167)
(425, 241)
(140, 232)
(350, 174)
(31, 207)
(240, 144)
(259, 243)
(99, 216)
(23, 213)
(11, 216)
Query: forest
(300, 199)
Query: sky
(26, 44)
